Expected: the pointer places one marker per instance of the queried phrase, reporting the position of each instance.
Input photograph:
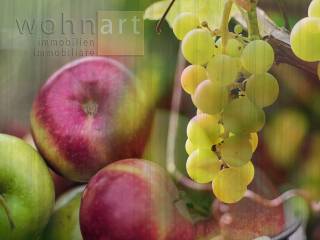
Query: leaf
(210, 11)
(156, 10)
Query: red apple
(61, 184)
(133, 200)
(89, 114)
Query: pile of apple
(90, 123)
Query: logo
(110, 33)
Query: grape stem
(225, 23)
(253, 27)
(7, 211)
(159, 24)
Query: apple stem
(7, 210)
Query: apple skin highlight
(133, 199)
(89, 114)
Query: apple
(64, 222)
(246, 219)
(26, 190)
(133, 199)
(61, 184)
(89, 114)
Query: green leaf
(210, 11)
(156, 10)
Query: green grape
(198, 46)
(314, 9)
(238, 29)
(262, 89)
(318, 70)
(204, 130)
(257, 57)
(254, 141)
(236, 150)
(233, 49)
(190, 148)
(223, 68)
(305, 38)
(203, 165)
(247, 172)
(242, 116)
(210, 97)
(184, 23)
(229, 186)
(192, 76)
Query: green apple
(26, 190)
(64, 222)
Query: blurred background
(289, 149)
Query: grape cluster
(229, 84)
(305, 35)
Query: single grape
(203, 165)
(184, 23)
(254, 141)
(305, 38)
(242, 116)
(314, 9)
(198, 46)
(203, 130)
(247, 172)
(236, 150)
(238, 29)
(318, 71)
(223, 69)
(257, 57)
(229, 186)
(211, 97)
(190, 148)
(233, 49)
(192, 76)
(262, 89)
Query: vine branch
(163, 18)
(280, 40)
